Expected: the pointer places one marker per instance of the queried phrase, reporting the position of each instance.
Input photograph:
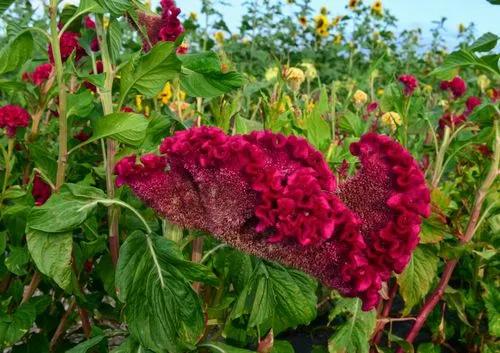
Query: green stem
(63, 122)
(440, 157)
(7, 157)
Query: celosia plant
(275, 197)
(13, 117)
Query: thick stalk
(440, 157)
(8, 167)
(106, 96)
(450, 265)
(379, 329)
(63, 122)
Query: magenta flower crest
(409, 82)
(274, 196)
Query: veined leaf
(318, 129)
(460, 59)
(14, 326)
(52, 255)
(149, 74)
(486, 42)
(16, 52)
(115, 7)
(417, 278)
(85, 346)
(276, 298)
(219, 347)
(129, 128)
(5, 4)
(354, 334)
(66, 210)
(162, 310)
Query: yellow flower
(377, 7)
(219, 37)
(310, 71)
(181, 94)
(444, 104)
(310, 106)
(360, 97)
(147, 3)
(166, 94)
(380, 92)
(138, 102)
(491, 93)
(271, 73)
(461, 28)
(105, 22)
(303, 21)
(147, 110)
(391, 120)
(337, 39)
(323, 10)
(483, 82)
(353, 4)
(294, 77)
(321, 25)
(193, 16)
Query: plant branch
(450, 265)
(62, 324)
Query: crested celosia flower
(409, 82)
(41, 190)
(275, 197)
(457, 86)
(294, 77)
(391, 120)
(449, 119)
(472, 102)
(40, 75)
(372, 106)
(68, 44)
(165, 28)
(359, 97)
(13, 117)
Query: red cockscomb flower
(40, 75)
(275, 197)
(166, 28)
(127, 109)
(69, 44)
(409, 82)
(12, 117)
(472, 102)
(41, 190)
(457, 86)
(372, 107)
(89, 23)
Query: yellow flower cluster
(321, 25)
(359, 98)
(391, 120)
(294, 77)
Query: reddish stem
(379, 330)
(28, 291)
(61, 326)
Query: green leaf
(245, 126)
(162, 311)
(417, 278)
(150, 72)
(116, 7)
(354, 334)
(318, 129)
(352, 124)
(130, 346)
(80, 104)
(276, 298)
(461, 59)
(5, 4)
(115, 38)
(491, 298)
(428, 347)
(486, 42)
(201, 76)
(3, 241)
(128, 128)
(219, 347)
(282, 347)
(17, 260)
(14, 326)
(16, 52)
(85, 346)
(72, 206)
(52, 255)
(494, 2)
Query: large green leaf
(417, 278)
(16, 52)
(492, 303)
(80, 104)
(85, 346)
(276, 298)
(486, 42)
(65, 210)
(464, 58)
(15, 325)
(219, 347)
(352, 336)
(201, 76)
(116, 7)
(129, 128)
(318, 129)
(52, 255)
(4, 5)
(17, 260)
(148, 74)
(162, 311)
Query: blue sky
(411, 13)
